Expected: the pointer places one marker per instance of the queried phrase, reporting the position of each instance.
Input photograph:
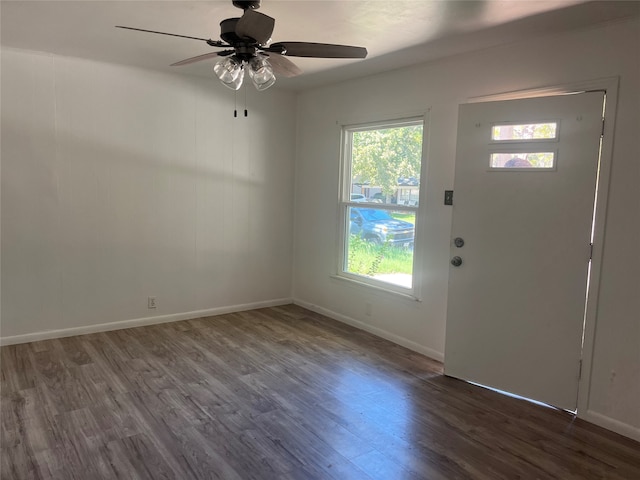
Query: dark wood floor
(275, 393)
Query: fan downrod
(247, 4)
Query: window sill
(382, 289)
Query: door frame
(610, 86)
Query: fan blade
(283, 66)
(213, 43)
(255, 25)
(205, 56)
(163, 33)
(318, 50)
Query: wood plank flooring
(275, 393)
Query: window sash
(345, 203)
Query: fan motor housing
(245, 5)
(228, 31)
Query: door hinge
(591, 251)
(602, 132)
(580, 370)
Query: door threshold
(519, 397)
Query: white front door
(523, 206)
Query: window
(541, 160)
(379, 202)
(528, 131)
(518, 146)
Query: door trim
(610, 86)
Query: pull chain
(235, 104)
(246, 112)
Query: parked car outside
(358, 197)
(379, 227)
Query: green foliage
(380, 157)
(540, 160)
(367, 258)
(359, 254)
(379, 256)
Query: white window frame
(344, 202)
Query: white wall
(120, 183)
(606, 51)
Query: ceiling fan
(247, 43)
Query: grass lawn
(407, 217)
(366, 258)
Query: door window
(520, 160)
(524, 131)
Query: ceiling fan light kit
(246, 41)
(261, 72)
(230, 71)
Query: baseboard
(139, 322)
(378, 332)
(611, 424)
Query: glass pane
(543, 160)
(380, 245)
(385, 165)
(529, 131)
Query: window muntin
(380, 201)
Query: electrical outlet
(151, 302)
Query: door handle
(456, 261)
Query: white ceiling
(396, 33)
